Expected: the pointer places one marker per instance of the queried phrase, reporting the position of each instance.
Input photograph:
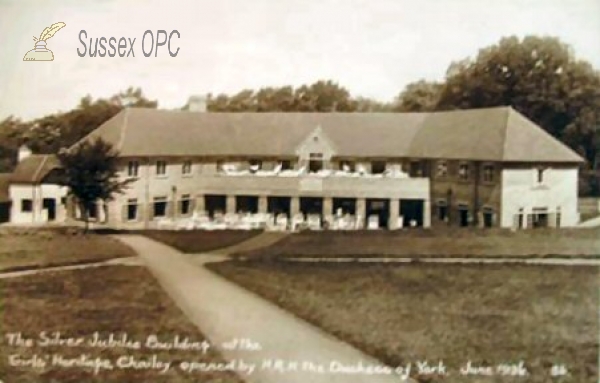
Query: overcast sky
(371, 47)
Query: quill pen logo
(40, 52)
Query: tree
(322, 96)
(50, 133)
(420, 96)
(369, 105)
(10, 140)
(539, 77)
(90, 172)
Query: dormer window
(286, 165)
(255, 165)
(378, 167)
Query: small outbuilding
(34, 191)
(4, 197)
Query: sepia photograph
(299, 191)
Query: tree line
(538, 76)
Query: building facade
(34, 192)
(485, 168)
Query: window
(161, 168)
(488, 173)
(347, 166)
(26, 206)
(132, 209)
(255, 165)
(186, 168)
(539, 217)
(286, 165)
(133, 168)
(520, 220)
(185, 204)
(540, 175)
(442, 169)
(378, 167)
(488, 217)
(416, 169)
(160, 206)
(93, 211)
(442, 211)
(463, 171)
(315, 163)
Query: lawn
(115, 299)
(489, 314)
(439, 242)
(200, 241)
(25, 248)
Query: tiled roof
(4, 182)
(493, 134)
(33, 169)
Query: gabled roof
(33, 169)
(4, 182)
(492, 134)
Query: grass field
(451, 242)
(200, 241)
(489, 314)
(116, 299)
(24, 248)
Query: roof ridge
(123, 130)
(507, 114)
(39, 169)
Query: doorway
(342, 206)
(49, 204)
(379, 208)
(412, 212)
(463, 215)
(488, 217)
(215, 204)
(279, 205)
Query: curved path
(224, 311)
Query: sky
(371, 47)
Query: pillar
(327, 212)
(327, 206)
(294, 206)
(361, 212)
(262, 204)
(394, 214)
(230, 204)
(200, 203)
(427, 213)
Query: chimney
(24, 152)
(197, 104)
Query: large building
(485, 167)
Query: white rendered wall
(520, 189)
(36, 193)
